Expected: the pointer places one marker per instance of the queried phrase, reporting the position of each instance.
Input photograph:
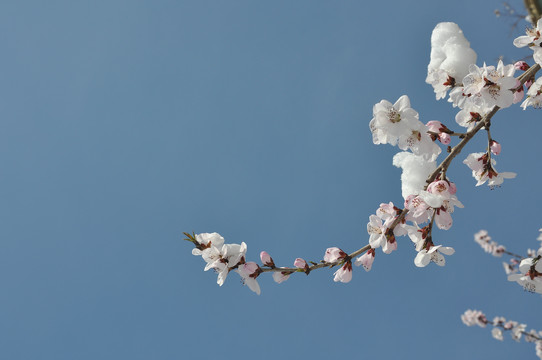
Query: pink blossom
(249, 272)
(434, 254)
(440, 187)
(389, 246)
(300, 263)
(387, 211)
(483, 170)
(366, 259)
(443, 219)
(474, 317)
(266, 259)
(344, 273)
(280, 276)
(495, 147)
(377, 231)
(435, 126)
(333, 254)
(418, 210)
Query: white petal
(446, 250)
(422, 259)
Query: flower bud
(333, 254)
(300, 263)
(495, 147)
(521, 65)
(444, 138)
(266, 259)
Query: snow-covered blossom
(534, 95)
(440, 81)
(366, 259)
(434, 254)
(437, 192)
(451, 56)
(533, 40)
(483, 170)
(416, 170)
(474, 317)
(344, 273)
(249, 272)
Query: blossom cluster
(526, 271)
(483, 239)
(500, 325)
(223, 258)
(428, 193)
(475, 90)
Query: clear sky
(125, 123)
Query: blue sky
(125, 123)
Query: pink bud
(444, 138)
(300, 263)
(495, 147)
(528, 83)
(434, 126)
(266, 259)
(333, 254)
(521, 65)
(250, 269)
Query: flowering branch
(517, 330)
(429, 195)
